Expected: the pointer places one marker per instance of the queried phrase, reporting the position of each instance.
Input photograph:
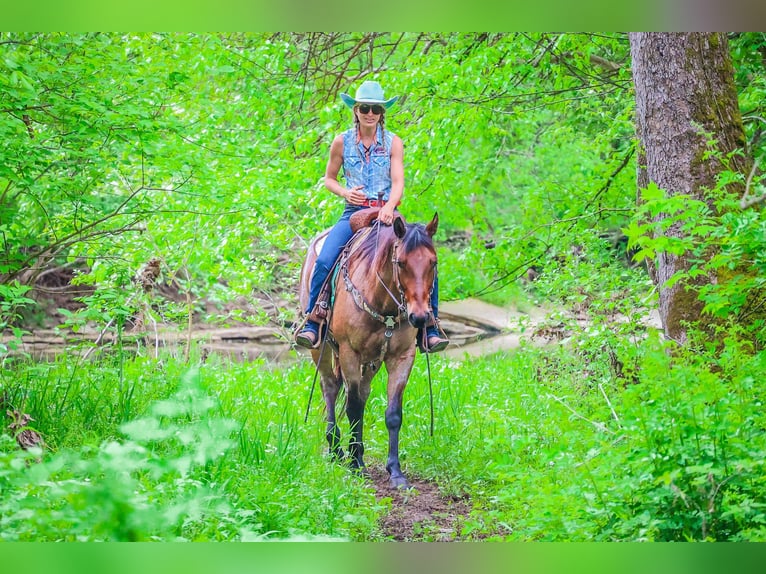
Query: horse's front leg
(398, 374)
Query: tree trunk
(685, 94)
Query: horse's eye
(400, 263)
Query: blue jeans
(331, 250)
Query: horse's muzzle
(418, 320)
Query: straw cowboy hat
(368, 93)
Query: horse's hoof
(399, 483)
(362, 471)
(338, 456)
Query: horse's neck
(376, 280)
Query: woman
(373, 168)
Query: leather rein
(390, 321)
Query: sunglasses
(365, 109)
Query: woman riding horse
(373, 167)
(382, 298)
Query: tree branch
(747, 200)
(610, 179)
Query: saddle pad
(319, 240)
(318, 245)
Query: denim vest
(374, 175)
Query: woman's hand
(386, 214)
(354, 196)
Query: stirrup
(425, 340)
(307, 337)
(435, 343)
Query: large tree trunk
(685, 93)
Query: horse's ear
(433, 225)
(400, 227)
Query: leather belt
(373, 203)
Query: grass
(548, 444)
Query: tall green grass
(558, 444)
(547, 444)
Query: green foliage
(150, 159)
(135, 456)
(12, 300)
(750, 75)
(206, 150)
(723, 240)
(695, 457)
(608, 437)
(153, 485)
(574, 450)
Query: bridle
(390, 321)
(400, 303)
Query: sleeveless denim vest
(374, 175)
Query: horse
(382, 292)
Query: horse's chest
(372, 346)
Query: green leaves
(12, 302)
(723, 245)
(146, 487)
(217, 141)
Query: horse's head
(415, 267)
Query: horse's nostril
(417, 320)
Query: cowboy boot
(308, 336)
(434, 340)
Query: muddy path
(421, 513)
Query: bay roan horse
(382, 296)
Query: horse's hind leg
(330, 387)
(356, 401)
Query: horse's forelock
(415, 237)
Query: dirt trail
(424, 513)
(421, 513)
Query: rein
(390, 321)
(314, 382)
